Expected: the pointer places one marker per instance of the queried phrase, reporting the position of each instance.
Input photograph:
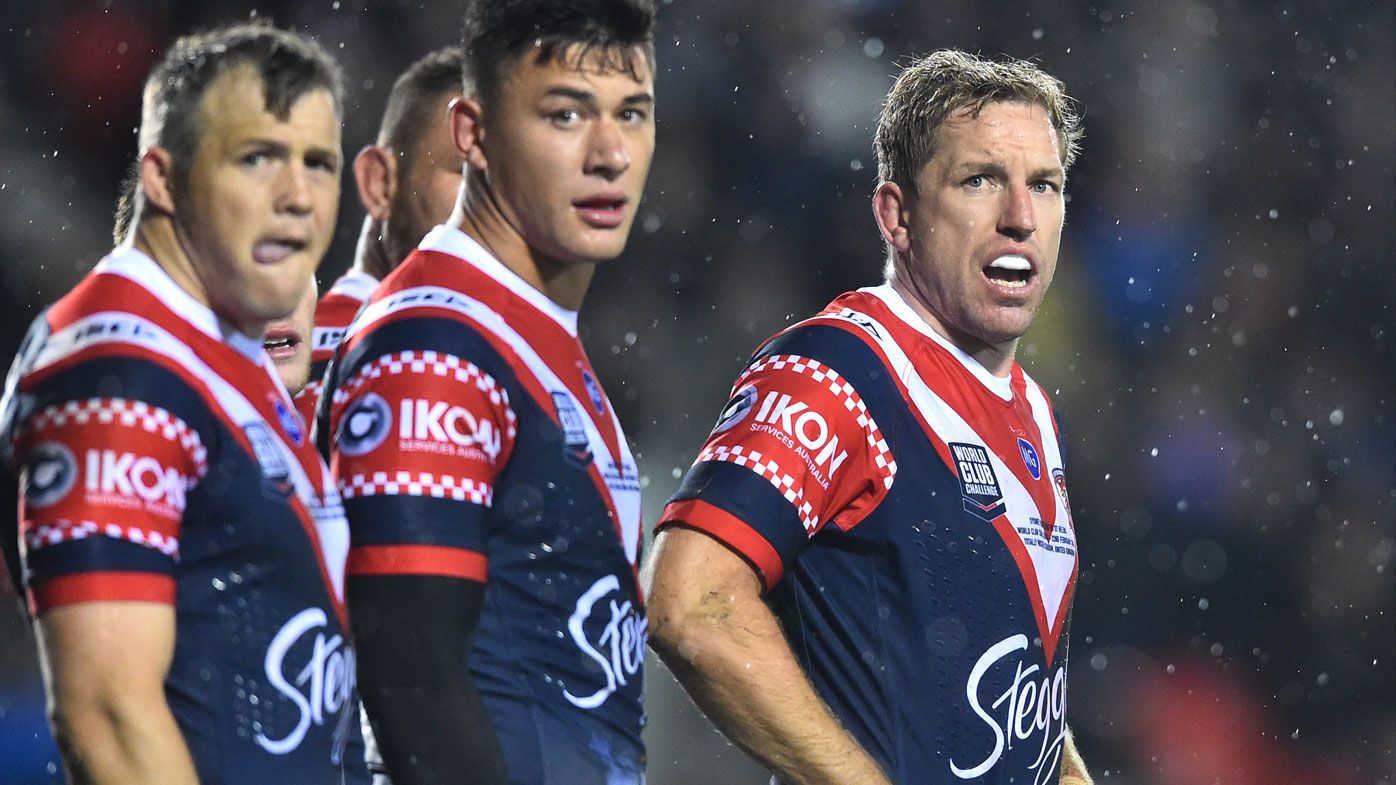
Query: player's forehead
(233, 110)
(613, 72)
(998, 131)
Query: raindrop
(873, 47)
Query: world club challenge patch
(978, 485)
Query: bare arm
(104, 665)
(1073, 768)
(710, 625)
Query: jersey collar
(999, 386)
(448, 239)
(128, 262)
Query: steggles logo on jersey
(320, 687)
(861, 320)
(50, 475)
(577, 449)
(1030, 458)
(439, 427)
(365, 425)
(736, 409)
(127, 480)
(803, 430)
(983, 498)
(619, 649)
(1029, 707)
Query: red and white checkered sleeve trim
(133, 414)
(435, 364)
(62, 530)
(437, 486)
(769, 469)
(880, 453)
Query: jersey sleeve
(418, 439)
(795, 450)
(103, 484)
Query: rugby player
(407, 182)
(866, 577)
(183, 543)
(493, 500)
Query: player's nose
(608, 153)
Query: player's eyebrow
(589, 98)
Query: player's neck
(157, 238)
(997, 359)
(371, 255)
(564, 283)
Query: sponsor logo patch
(1030, 458)
(576, 449)
(290, 421)
(980, 488)
(795, 423)
(276, 474)
(594, 391)
(737, 409)
(50, 475)
(365, 425)
(1059, 480)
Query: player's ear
(375, 174)
(467, 130)
(157, 179)
(893, 213)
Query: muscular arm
(1073, 768)
(413, 635)
(710, 625)
(104, 666)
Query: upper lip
(281, 330)
(1015, 250)
(602, 199)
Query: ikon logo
(807, 426)
(439, 421)
(128, 474)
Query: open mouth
(602, 212)
(1010, 271)
(281, 343)
(273, 251)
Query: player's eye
(976, 181)
(633, 115)
(255, 158)
(564, 118)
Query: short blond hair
(932, 87)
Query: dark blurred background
(1219, 339)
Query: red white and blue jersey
(907, 513)
(158, 459)
(470, 439)
(333, 313)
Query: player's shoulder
(843, 337)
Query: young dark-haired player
(493, 500)
(888, 479)
(183, 543)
